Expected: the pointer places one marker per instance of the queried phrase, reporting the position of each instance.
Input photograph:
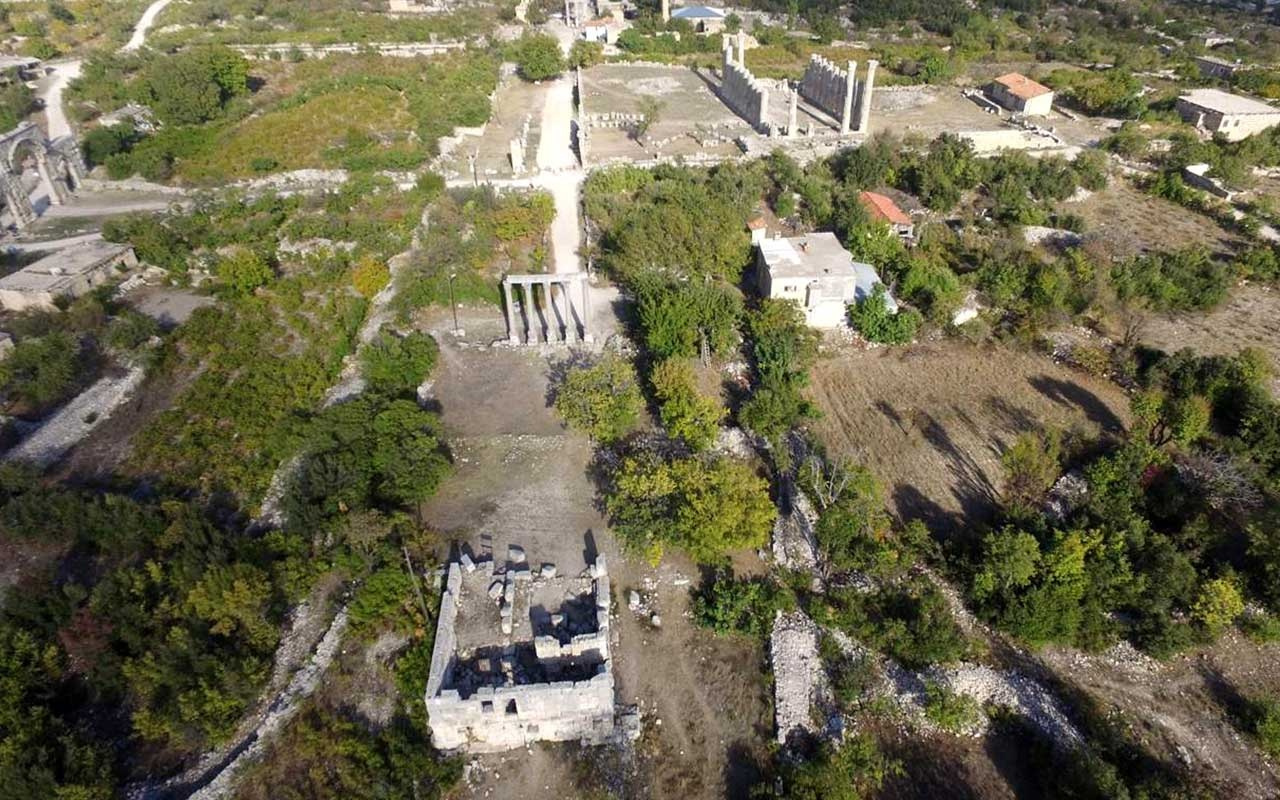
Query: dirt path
(139, 36)
(50, 92)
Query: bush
(952, 712)
(602, 400)
(1266, 726)
(585, 54)
(243, 271)
(873, 319)
(685, 413)
(729, 605)
(41, 371)
(538, 57)
(370, 276)
(396, 365)
(681, 319)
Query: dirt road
(139, 36)
(50, 91)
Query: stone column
(511, 317)
(764, 108)
(742, 48)
(791, 116)
(554, 332)
(666, 10)
(850, 82)
(864, 98)
(531, 309)
(586, 309)
(728, 59)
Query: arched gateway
(58, 163)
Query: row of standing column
(554, 329)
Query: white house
(815, 272)
(1230, 115)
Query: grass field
(932, 420)
(305, 135)
(1134, 221)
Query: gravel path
(50, 93)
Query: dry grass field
(1249, 318)
(931, 420)
(1133, 221)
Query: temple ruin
(839, 93)
(521, 655)
(740, 90)
(547, 311)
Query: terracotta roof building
(883, 209)
(1020, 94)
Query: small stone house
(817, 273)
(1211, 67)
(704, 19)
(1021, 95)
(66, 273)
(882, 209)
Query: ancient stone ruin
(58, 163)
(839, 93)
(549, 311)
(741, 91)
(521, 655)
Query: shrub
(41, 371)
(1218, 604)
(195, 85)
(370, 276)
(395, 365)
(685, 413)
(729, 605)
(585, 54)
(1267, 726)
(873, 319)
(950, 711)
(244, 270)
(602, 400)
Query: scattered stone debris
(793, 648)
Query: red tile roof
(884, 209)
(1021, 86)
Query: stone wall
(743, 93)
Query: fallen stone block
(633, 600)
(522, 574)
(515, 554)
(495, 590)
(467, 563)
(548, 570)
(656, 621)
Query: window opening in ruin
(511, 707)
(486, 706)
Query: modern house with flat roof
(1232, 116)
(1213, 67)
(66, 273)
(817, 273)
(1020, 94)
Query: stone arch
(58, 164)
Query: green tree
(1031, 465)
(603, 399)
(538, 57)
(244, 270)
(686, 413)
(584, 54)
(705, 507)
(408, 455)
(195, 85)
(873, 319)
(1218, 604)
(396, 365)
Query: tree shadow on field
(1235, 706)
(970, 485)
(911, 503)
(1069, 394)
(741, 771)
